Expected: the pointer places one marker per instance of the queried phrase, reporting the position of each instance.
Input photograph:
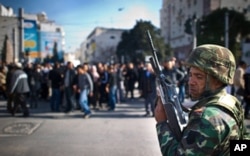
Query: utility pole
(194, 33)
(226, 30)
(14, 44)
(20, 18)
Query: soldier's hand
(160, 114)
(91, 94)
(107, 89)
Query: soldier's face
(196, 82)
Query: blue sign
(48, 40)
(31, 38)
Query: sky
(80, 17)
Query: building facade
(32, 36)
(100, 45)
(8, 33)
(174, 13)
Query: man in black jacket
(56, 81)
(69, 76)
(19, 89)
(149, 89)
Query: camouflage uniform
(216, 118)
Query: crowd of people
(87, 86)
(101, 86)
(241, 86)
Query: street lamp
(194, 35)
(226, 29)
(21, 33)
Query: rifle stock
(176, 116)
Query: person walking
(95, 77)
(216, 118)
(19, 89)
(112, 87)
(84, 86)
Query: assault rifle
(173, 109)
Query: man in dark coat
(10, 97)
(56, 80)
(149, 89)
(69, 76)
(131, 78)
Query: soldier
(216, 118)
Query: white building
(174, 13)
(6, 11)
(101, 45)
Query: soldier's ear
(215, 83)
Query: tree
(62, 58)
(188, 26)
(47, 59)
(211, 29)
(4, 49)
(7, 53)
(134, 44)
(55, 56)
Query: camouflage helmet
(215, 60)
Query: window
(180, 17)
(195, 2)
(188, 3)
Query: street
(106, 133)
(122, 132)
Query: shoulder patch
(228, 100)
